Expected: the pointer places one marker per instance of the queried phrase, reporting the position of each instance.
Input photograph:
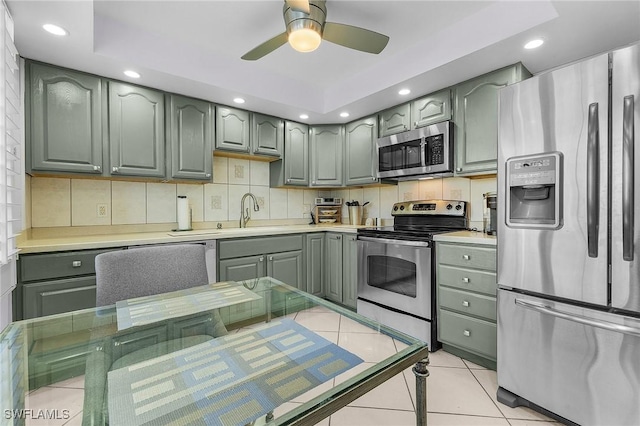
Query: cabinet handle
(415, 124)
(116, 344)
(208, 175)
(466, 257)
(466, 280)
(97, 168)
(114, 170)
(339, 237)
(271, 258)
(458, 169)
(247, 149)
(313, 182)
(76, 263)
(261, 259)
(466, 333)
(288, 180)
(465, 303)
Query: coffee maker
(490, 213)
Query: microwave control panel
(434, 149)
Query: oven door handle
(398, 242)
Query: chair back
(145, 271)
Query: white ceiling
(194, 47)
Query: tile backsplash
(63, 202)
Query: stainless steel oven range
(396, 282)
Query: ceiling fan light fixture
(304, 39)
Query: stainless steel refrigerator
(569, 241)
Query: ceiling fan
(306, 28)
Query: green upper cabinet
(293, 169)
(431, 109)
(136, 131)
(327, 143)
(190, 132)
(267, 135)
(395, 120)
(232, 129)
(360, 152)
(64, 121)
(476, 119)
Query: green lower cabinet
(286, 267)
(341, 268)
(333, 267)
(349, 270)
(314, 254)
(466, 295)
(56, 297)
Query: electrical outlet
(101, 210)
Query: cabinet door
(242, 268)
(267, 135)
(431, 109)
(55, 297)
(333, 263)
(361, 156)
(64, 132)
(190, 130)
(395, 120)
(349, 270)
(315, 264)
(326, 155)
(136, 131)
(476, 120)
(286, 267)
(296, 154)
(232, 129)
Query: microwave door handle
(627, 178)
(593, 178)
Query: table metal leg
(421, 373)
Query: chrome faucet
(244, 219)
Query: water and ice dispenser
(534, 191)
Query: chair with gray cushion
(137, 272)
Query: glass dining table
(248, 352)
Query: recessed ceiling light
(344, 114)
(404, 92)
(238, 100)
(534, 43)
(304, 116)
(55, 30)
(131, 74)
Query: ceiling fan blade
(354, 37)
(298, 5)
(266, 47)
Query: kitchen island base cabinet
(466, 295)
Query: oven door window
(392, 274)
(400, 156)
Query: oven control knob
(395, 208)
(449, 206)
(401, 207)
(458, 207)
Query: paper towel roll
(184, 215)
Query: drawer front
(468, 333)
(463, 302)
(467, 279)
(243, 247)
(55, 297)
(58, 265)
(467, 256)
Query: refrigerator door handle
(618, 328)
(627, 178)
(593, 178)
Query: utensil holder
(355, 215)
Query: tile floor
(458, 392)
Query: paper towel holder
(183, 214)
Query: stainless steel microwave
(424, 151)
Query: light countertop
(469, 237)
(64, 243)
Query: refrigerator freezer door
(564, 111)
(625, 219)
(569, 360)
